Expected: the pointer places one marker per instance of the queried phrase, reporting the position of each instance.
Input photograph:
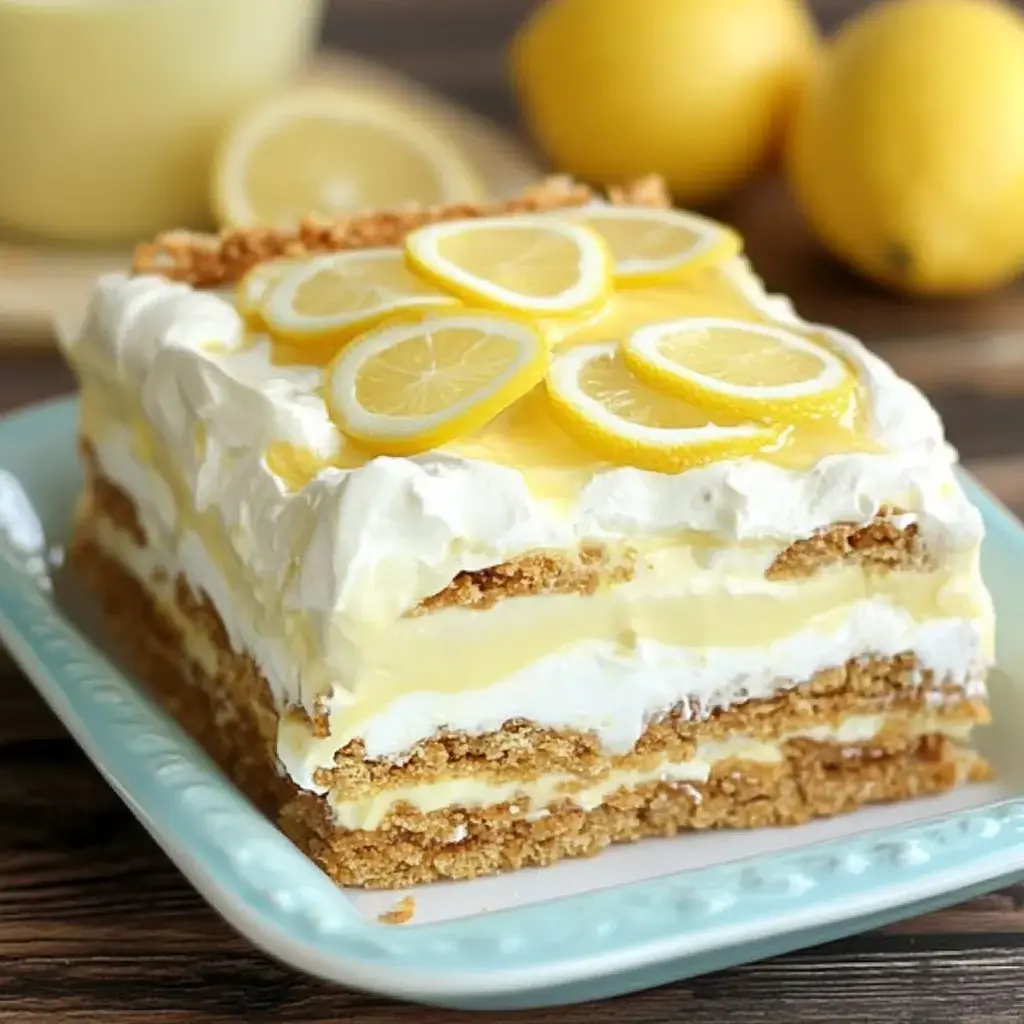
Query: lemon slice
(597, 400)
(255, 286)
(409, 387)
(741, 368)
(650, 246)
(317, 151)
(341, 294)
(531, 264)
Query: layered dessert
(474, 538)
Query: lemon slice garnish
(650, 246)
(341, 294)
(599, 401)
(254, 288)
(327, 152)
(531, 264)
(409, 387)
(740, 368)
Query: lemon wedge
(409, 387)
(530, 264)
(651, 246)
(317, 151)
(740, 368)
(598, 401)
(341, 294)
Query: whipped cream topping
(369, 543)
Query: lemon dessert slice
(485, 536)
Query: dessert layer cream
(314, 555)
(591, 683)
(506, 650)
(538, 794)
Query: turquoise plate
(635, 917)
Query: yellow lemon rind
(426, 262)
(728, 246)
(769, 405)
(475, 415)
(623, 443)
(718, 243)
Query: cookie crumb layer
(209, 261)
(401, 913)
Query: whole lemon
(696, 90)
(907, 151)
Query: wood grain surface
(95, 924)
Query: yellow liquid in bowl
(111, 110)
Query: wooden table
(96, 925)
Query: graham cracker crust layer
(229, 710)
(818, 781)
(881, 544)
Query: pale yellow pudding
(464, 560)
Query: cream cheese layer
(190, 417)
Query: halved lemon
(741, 368)
(650, 246)
(255, 286)
(409, 387)
(531, 264)
(597, 399)
(341, 294)
(319, 151)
